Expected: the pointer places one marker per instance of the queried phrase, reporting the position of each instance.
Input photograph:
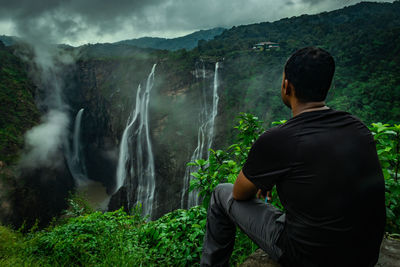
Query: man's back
(329, 180)
(327, 174)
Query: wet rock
(390, 253)
(259, 259)
(389, 256)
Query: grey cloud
(55, 19)
(92, 20)
(334, 1)
(312, 1)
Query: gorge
(134, 117)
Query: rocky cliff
(28, 193)
(107, 88)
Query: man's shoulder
(300, 126)
(323, 117)
(353, 120)
(275, 132)
(275, 138)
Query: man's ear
(287, 88)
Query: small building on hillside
(265, 46)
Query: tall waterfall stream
(136, 160)
(205, 134)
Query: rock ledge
(389, 256)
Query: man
(327, 175)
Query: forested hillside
(18, 112)
(185, 42)
(364, 40)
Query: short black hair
(310, 70)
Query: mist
(46, 62)
(44, 141)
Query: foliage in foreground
(115, 239)
(224, 166)
(387, 139)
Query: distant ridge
(8, 40)
(185, 42)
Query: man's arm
(243, 189)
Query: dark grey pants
(262, 222)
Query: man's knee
(222, 194)
(223, 189)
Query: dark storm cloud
(80, 21)
(57, 18)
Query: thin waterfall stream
(135, 167)
(205, 135)
(75, 160)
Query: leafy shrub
(77, 206)
(224, 166)
(176, 238)
(9, 241)
(387, 139)
(82, 239)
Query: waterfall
(135, 152)
(123, 146)
(214, 110)
(145, 169)
(204, 136)
(74, 159)
(77, 136)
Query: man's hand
(261, 194)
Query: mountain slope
(185, 42)
(8, 40)
(18, 112)
(364, 40)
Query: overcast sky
(78, 22)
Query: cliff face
(18, 111)
(106, 89)
(27, 193)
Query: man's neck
(300, 107)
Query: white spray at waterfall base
(204, 137)
(135, 153)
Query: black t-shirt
(328, 177)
